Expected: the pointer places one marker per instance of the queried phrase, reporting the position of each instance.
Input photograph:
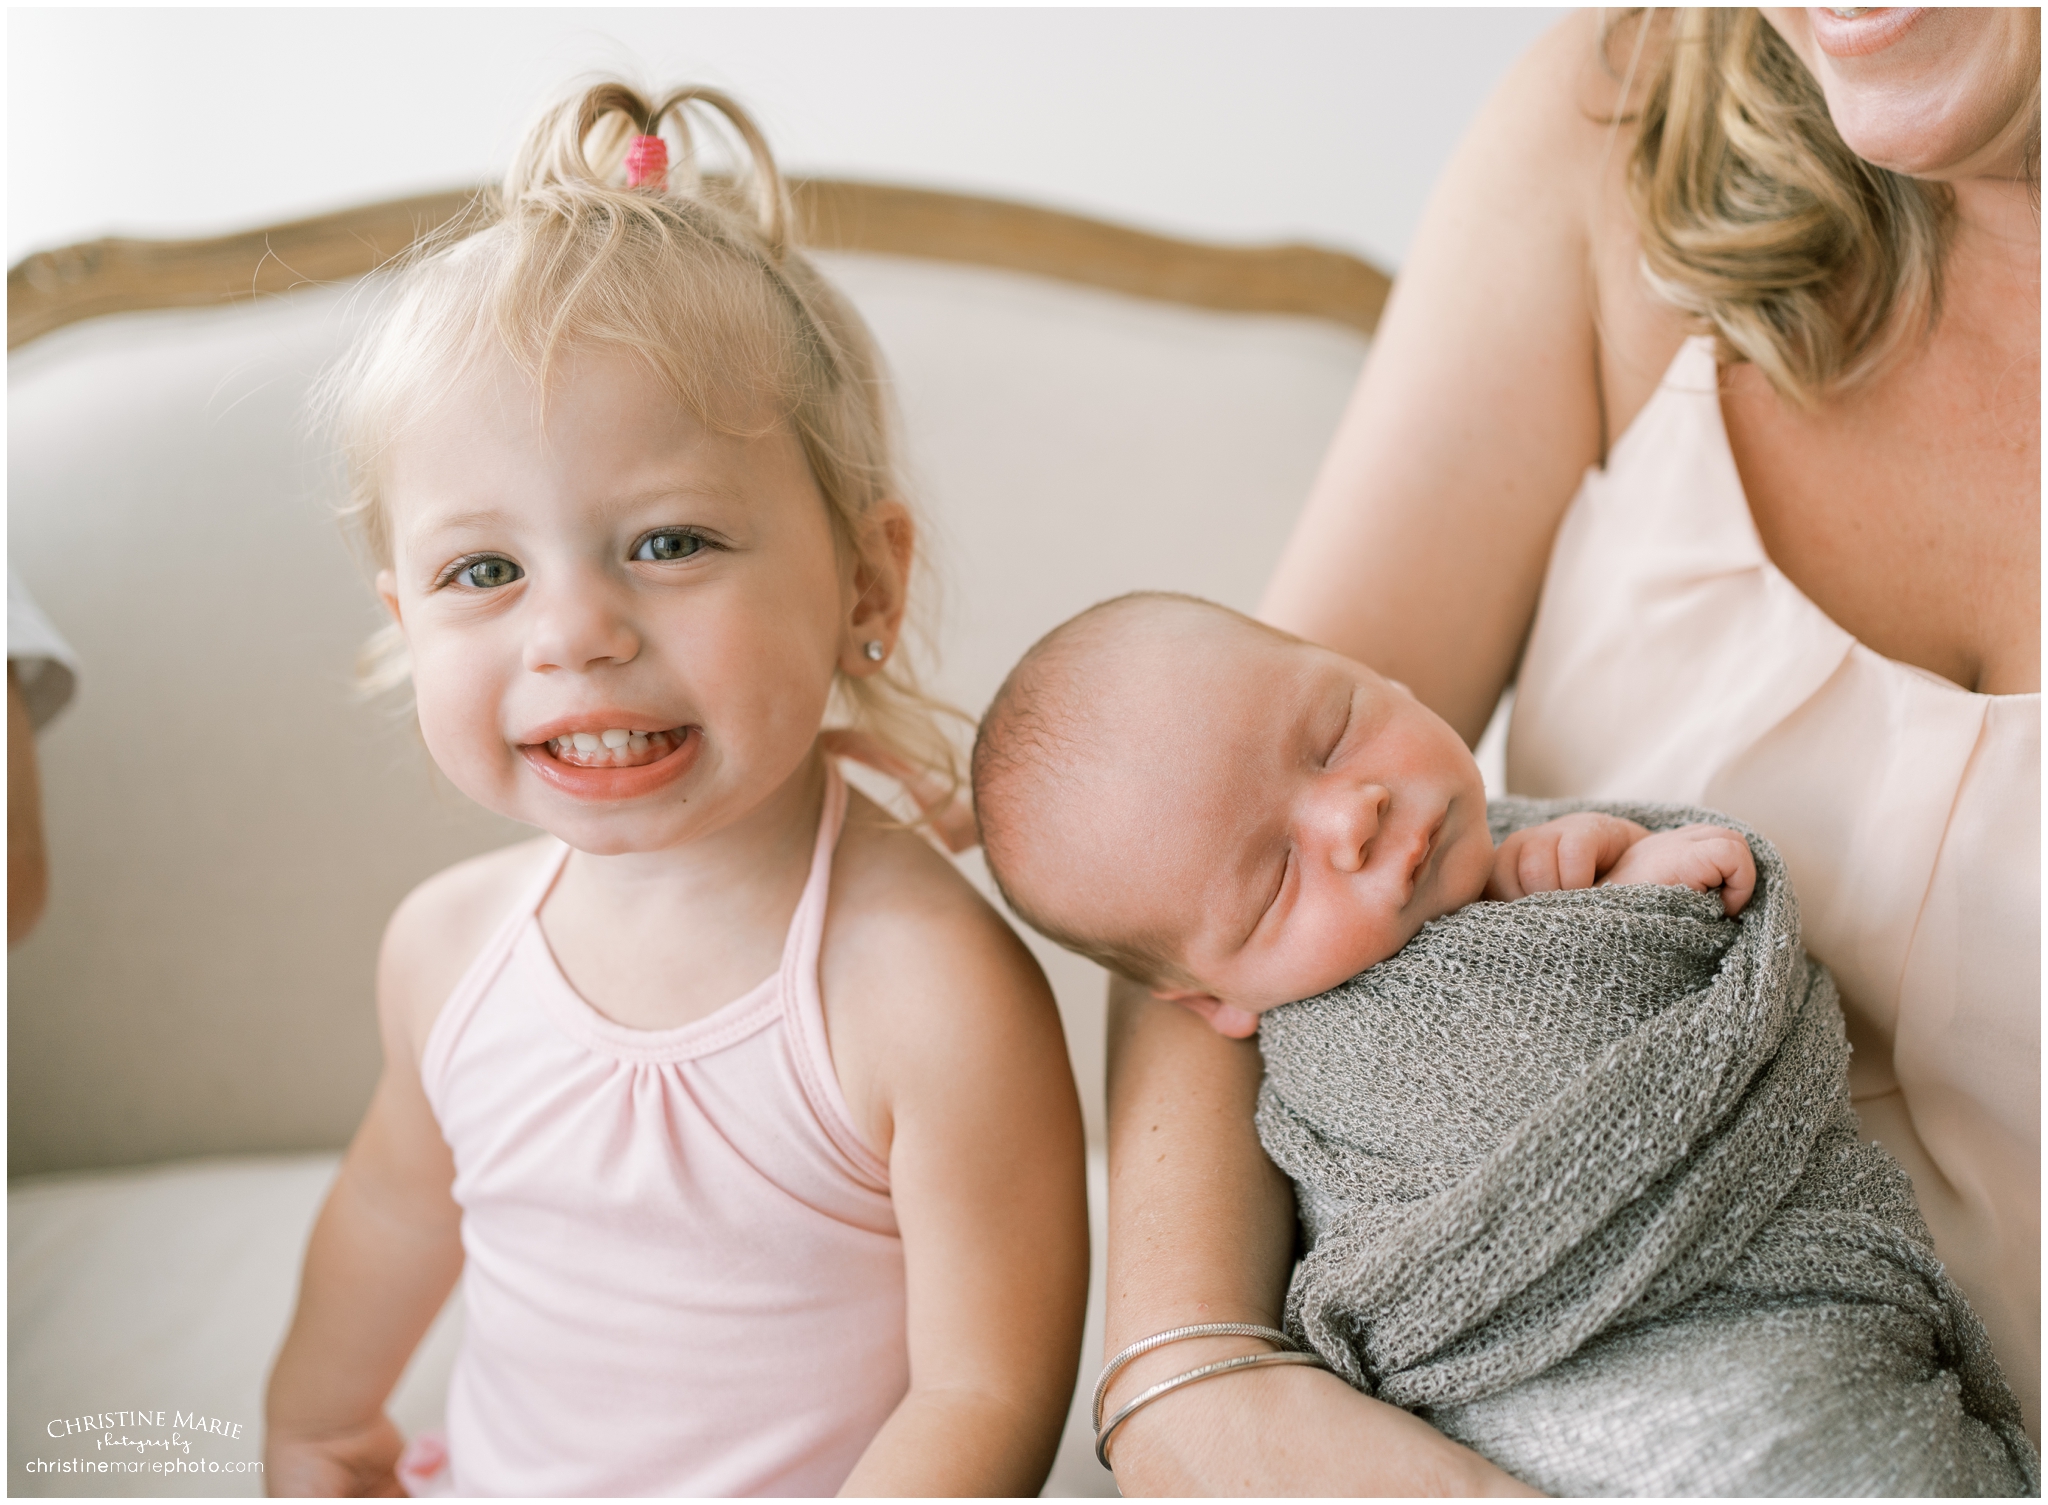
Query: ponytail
(581, 143)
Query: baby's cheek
(1466, 869)
(1366, 938)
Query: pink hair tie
(647, 163)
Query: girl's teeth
(610, 745)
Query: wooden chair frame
(50, 289)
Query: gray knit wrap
(1581, 1185)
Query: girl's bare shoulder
(438, 929)
(921, 976)
(899, 907)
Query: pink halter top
(1671, 660)
(683, 1270)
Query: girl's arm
(384, 1254)
(387, 1247)
(958, 1045)
(1201, 1229)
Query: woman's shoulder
(438, 928)
(1564, 126)
(1519, 338)
(1572, 99)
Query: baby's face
(1282, 816)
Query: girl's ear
(387, 592)
(881, 579)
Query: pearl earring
(872, 650)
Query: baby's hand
(1700, 858)
(1571, 852)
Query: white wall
(1327, 125)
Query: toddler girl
(747, 1124)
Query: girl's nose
(1346, 817)
(578, 626)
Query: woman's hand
(1202, 1229)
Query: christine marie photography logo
(144, 1442)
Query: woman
(1806, 592)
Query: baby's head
(1219, 810)
(622, 460)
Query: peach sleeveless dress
(1671, 660)
(683, 1273)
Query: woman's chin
(1934, 94)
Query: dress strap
(803, 1000)
(476, 980)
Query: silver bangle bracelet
(1179, 1381)
(1174, 1335)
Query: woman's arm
(1421, 550)
(1424, 540)
(1201, 1229)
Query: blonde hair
(1757, 218)
(699, 278)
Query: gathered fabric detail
(683, 1272)
(1672, 661)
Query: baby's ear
(387, 591)
(1227, 1019)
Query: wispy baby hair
(698, 276)
(1037, 737)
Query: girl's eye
(666, 546)
(488, 574)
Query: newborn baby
(1578, 1173)
(1239, 819)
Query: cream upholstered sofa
(1087, 410)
